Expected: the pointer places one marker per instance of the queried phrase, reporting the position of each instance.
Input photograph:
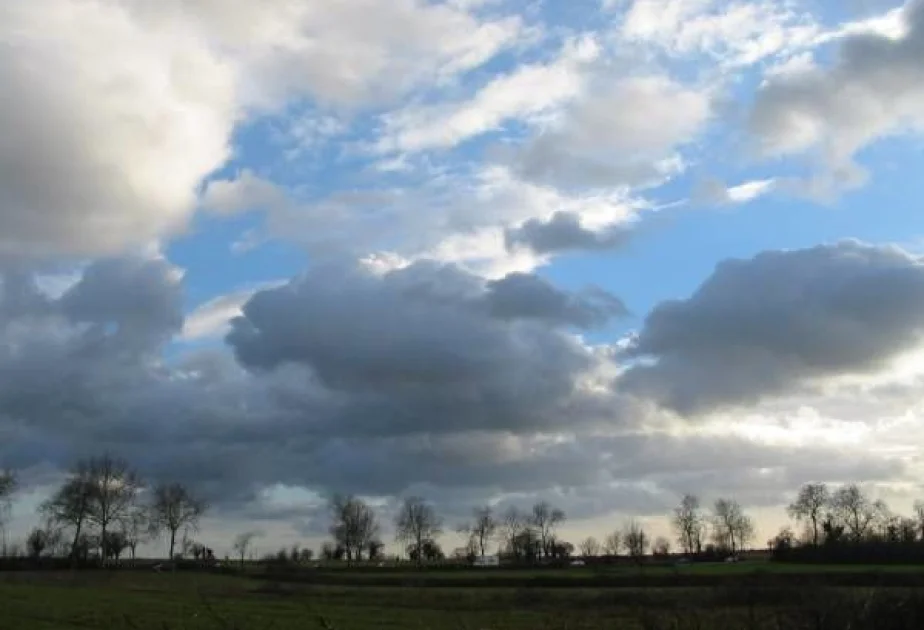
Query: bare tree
(661, 547)
(70, 505)
(417, 523)
(919, 517)
(854, 510)
(7, 488)
(732, 528)
(512, 525)
(688, 523)
(242, 545)
(612, 544)
(590, 547)
(115, 487)
(173, 506)
(634, 539)
(353, 525)
(482, 529)
(809, 507)
(545, 519)
(135, 527)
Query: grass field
(122, 600)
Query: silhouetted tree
(136, 526)
(374, 549)
(661, 547)
(635, 540)
(612, 544)
(854, 511)
(7, 488)
(417, 522)
(173, 506)
(512, 525)
(590, 547)
(70, 505)
(689, 524)
(113, 544)
(482, 529)
(732, 528)
(353, 525)
(242, 544)
(37, 542)
(545, 519)
(809, 507)
(114, 488)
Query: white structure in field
(487, 561)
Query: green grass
(124, 600)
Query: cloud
(733, 33)
(212, 319)
(564, 232)
(121, 109)
(112, 126)
(526, 92)
(622, 132)
(765, 326)
(526, 296)
(713, 191)
(872, 90)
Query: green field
(179, 601)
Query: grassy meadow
(748, 599)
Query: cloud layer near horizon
(434, 161)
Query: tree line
(103, 508)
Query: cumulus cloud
(622, 132)
(106, 138)
(764, 326)
(873, 89)
(564, 232)
(122, 108)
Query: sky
(598, 252)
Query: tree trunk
(76, 540)
(173, 542)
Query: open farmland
(168, 601)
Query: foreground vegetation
(180, 601)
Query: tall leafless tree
(71, 504)
(512, 525)
(416, 523)
(688, 523)
(482, 528)
(809, 507)
(7, 488)
(115, 488)
(635, 540)
(732, 528)
(590, 547)
(353, 525)
(612, 544)
(242, 544)
(545, 519)
(135, 527)
(173, 506)
(855, 511)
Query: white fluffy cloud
(116, 111)
(874, 88)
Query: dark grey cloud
(140, 297)
(408, 382)
(525, 296)
(564, 232)
(767, 325)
